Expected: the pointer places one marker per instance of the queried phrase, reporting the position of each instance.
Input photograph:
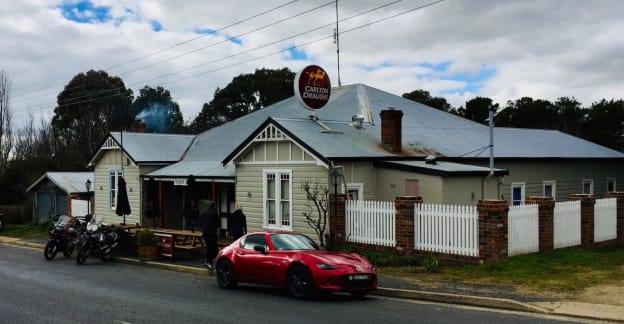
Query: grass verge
(25, 230)
(565, 270)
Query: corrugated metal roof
(69, 182)
(202, 170)
(426, 131)
(441, 167)
(153, 147)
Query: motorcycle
(63, 237)
(97, 240)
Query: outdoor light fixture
(88, 186)
(336, 178)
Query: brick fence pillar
(587, 219)
(620, 215)
(337, 220)
(546, 221)
(493, 229)
(404, 222)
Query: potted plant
(147, 244)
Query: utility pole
(337, 41)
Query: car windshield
(292, 242)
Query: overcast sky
(456, 49)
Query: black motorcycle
(63, 237)
(98, 240)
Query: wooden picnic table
(182, 239)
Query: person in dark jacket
(209, 221)
(237, 223)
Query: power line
(272, 53)
(173, 46)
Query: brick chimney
(391, 129)
(138, 126)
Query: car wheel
(225, 274)
(299, 282)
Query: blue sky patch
(156, 26)
(473, 81)
(85, 12)
(297, 54)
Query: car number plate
(361, 277)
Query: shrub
(431, 264)
(146, 237)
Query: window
(253, 240)
(588, 186)
(517, 193)
(611, 184)
(277, 188)
(355, 191)
(550, 189)
(112, 184)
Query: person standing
(210, 225)
(237, 223)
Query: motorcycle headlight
(325, 266)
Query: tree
(570, 115)
(244, 94)
(159, 112)
(605, 124)
(425, 98)
(90, 106)
(528, 113)
(478, 109)
(316, 215)
(6, 136)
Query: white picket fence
(523, 236)
(451, 229)
(605, 219)
(370, 222)
(567, 231)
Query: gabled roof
(146, 148)
(68, 182)
(426, 131)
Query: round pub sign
(312, 87)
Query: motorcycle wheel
(83, 254)
(69, 249)
(50, 250)
(107, 255)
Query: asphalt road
(33, 290)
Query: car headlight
(326, 266)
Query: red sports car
(294, 261)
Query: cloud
(454, 49)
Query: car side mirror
(260, 248)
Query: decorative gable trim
(110, 144)
(271, 132)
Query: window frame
(522, 186)
(591, 186)
(279, 219)
(553, 184)
(612, 181)
(113, 186)
(359, 187)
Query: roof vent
(430, 159)
(356, 120)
